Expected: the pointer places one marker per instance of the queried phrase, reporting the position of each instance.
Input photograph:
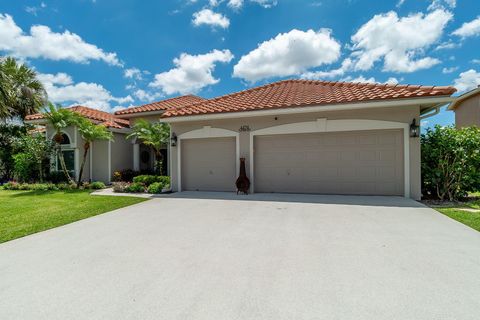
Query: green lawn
(26, 212)
(471, 219)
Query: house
(467, 109)
(301, 136)
(297, 136)
(105, 157)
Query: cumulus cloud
(442, 4)
(146, 96)
(290, 53)
(360, 79)
(469, 29)
(61, 89)
(133, 73)
(318, 75)
(42, 42)
(210, 18)
(397, 41)
(237, 4)
(449, 70)
(467, 80)
(191, 72)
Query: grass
(471, 219)
(26, 212)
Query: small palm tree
(60, 118)
(156, 135)
(21, 93)
(89, 133)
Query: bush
(23, 167)
(117, 176)
(135, 187)
(66, 186)
(149, 179)
(450, 162)
(155, 187)
(96, 185)
(120, 186)
(30, 186)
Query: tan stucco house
(297, 136)
(467, 109)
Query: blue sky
(114, 54)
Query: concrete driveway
(212, 256)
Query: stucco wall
(122, 153)
(468, 113)
(100, 161)
(401, 114)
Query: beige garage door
(208, 164)
(361, 162)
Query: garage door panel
(208, 164)
(366, 162)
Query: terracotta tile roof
(97, 116)
(177, 102)
(298, 93)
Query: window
(69, 157)
(65, 139)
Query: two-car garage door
(361, 162)
(356, 162)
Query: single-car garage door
(208, 164)
(360, 162)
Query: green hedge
(147, 180)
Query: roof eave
(140, 114)
(421, 101)
(463, 97)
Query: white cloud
(346, 64)
(191, 72)
(392, 80)
(442, 4)
(400, 3)
(447, 45)
(449, 70)
(290, 53)
(266, 3)
(133, 73)
(42, 42)
(210, 18)
(467, 80)
(360, 79)
(146, 96)
(398, 41)
(476, 61)
(235, 4)
(469, 29)
(61, 89)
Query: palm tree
(155, 135)
(60, 118)
(21, 93)
(90, 132)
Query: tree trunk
(86, 146)
(63, 165)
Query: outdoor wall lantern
(173, 140)
(414, 129)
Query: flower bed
(13, 185)
(144, 183)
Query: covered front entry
(208, 164)
(367, 162)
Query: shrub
(450, 162)
(127, 175)
(66, 186)
(30, 186)
(117, 176)
(97, 185)
(23, 167)
(149, 179)
(135, 187)
(11, 185)
(155, 187)
(120, 186)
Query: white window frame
(205, 132)
(325, 125)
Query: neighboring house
(105, 157)
(467, 109)
(302, 136)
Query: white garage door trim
(325, 125)
(205, 132)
